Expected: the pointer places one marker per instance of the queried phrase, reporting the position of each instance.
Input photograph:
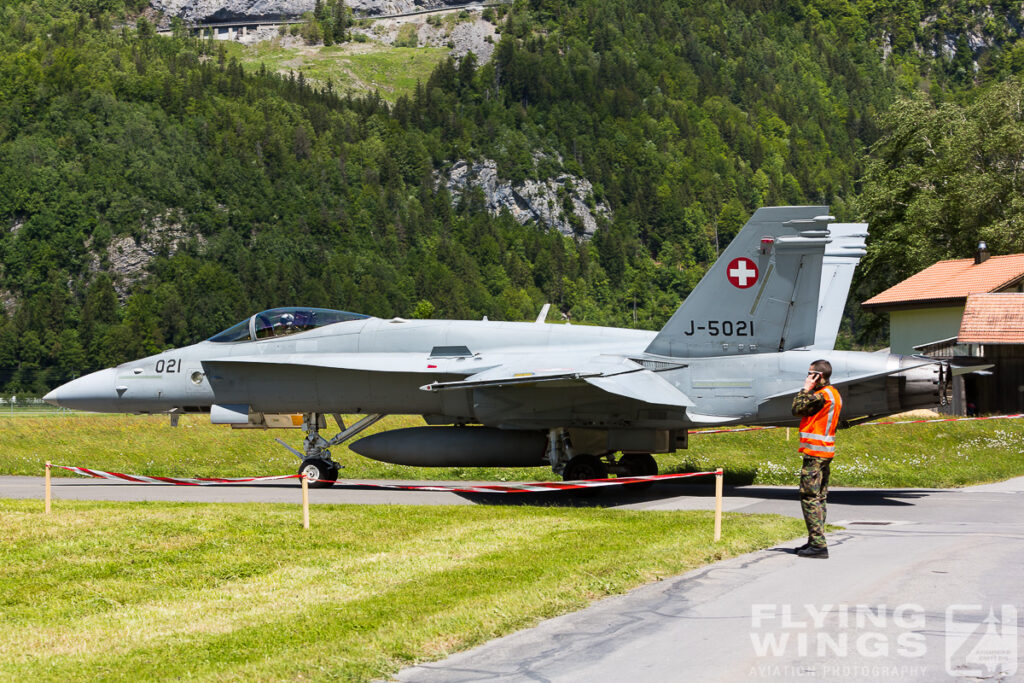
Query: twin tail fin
(761, 295)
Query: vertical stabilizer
(761, 295)
(842, 255)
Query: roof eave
(887, 306)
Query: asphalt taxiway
(921, 585)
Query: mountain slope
(246, 190)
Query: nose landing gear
(320, 470)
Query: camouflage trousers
(813, 491)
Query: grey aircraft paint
(735, 352)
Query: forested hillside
(247, 190)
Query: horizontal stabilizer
(968, 369)
(644, 386)
(853, 380)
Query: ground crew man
(818, 404)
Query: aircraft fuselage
(380, 366)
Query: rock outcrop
(207, 11)
(565, 202)
(127, 258)
(475, 35)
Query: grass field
(144, 591)
(139, 591)
(355, 68)
(921, 455)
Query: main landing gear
(322, 472)
(575, 466)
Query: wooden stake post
(46, 497)
(719, 476)
(305, 502)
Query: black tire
(321, 474)
(639, 464)
(585, 467)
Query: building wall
(910, 328)
(1003, 390)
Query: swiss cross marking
(742, 272)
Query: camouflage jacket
(807, 403)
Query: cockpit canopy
(280, 322)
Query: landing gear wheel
(320, 474)
(585, 467)
(639, 465)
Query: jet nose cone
(95, 392)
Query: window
(235, 333)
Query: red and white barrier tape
(868, 424)
(140, 479)
(534, 487)
(946, 419)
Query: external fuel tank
(456, 447)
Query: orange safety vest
(818, 431)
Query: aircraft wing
(620, 377)
(612, 375)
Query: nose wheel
(320, 473)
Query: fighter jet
(586, 401)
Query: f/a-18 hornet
(586, 401)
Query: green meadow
(160, 591)
(226, 592)
(944, 454)
(354, 68)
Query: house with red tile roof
(930, 305)
(966, 311)
(993, 319)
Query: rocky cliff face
(565, 202)
(474, 35)
(126, 258)
(204, 11)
